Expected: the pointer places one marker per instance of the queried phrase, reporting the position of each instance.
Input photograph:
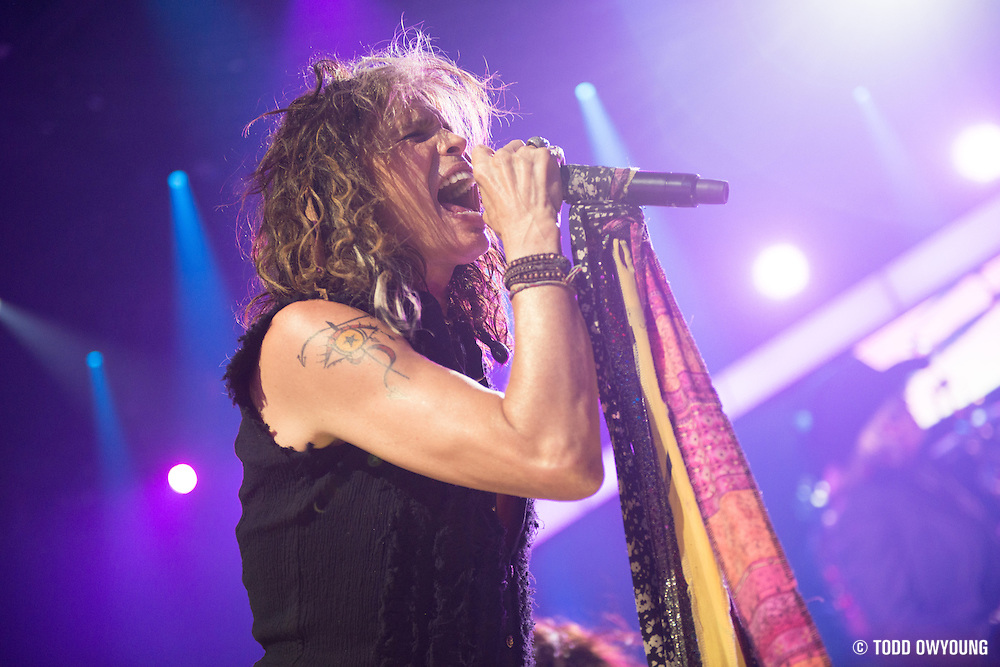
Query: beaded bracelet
(539, 257)
(520, 287)
(532, 268)
(548, 268)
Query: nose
(451, 143)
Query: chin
(478, 249)
(471, 230)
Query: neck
(437, 285)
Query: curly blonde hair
(316, 232)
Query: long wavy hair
(316, 232)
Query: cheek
(412, 214)
(407, 187)
(403, 198)
(412, 221)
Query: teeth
(455, 187)
(455, 178)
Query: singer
(385, 514)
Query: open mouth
(458, 193)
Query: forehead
(403, 114)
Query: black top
(350, 560)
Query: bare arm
(330, 373)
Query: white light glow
(964, 372)
(781, 271)
(956, 331)
(820, 495)
(182, 478)
(927, 326)
(976, 153)
(585, 91)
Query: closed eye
(419, 136)
(423, 127)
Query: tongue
(454, 208)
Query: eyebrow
(421, 116)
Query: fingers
(519, 172)
(523, 151)
(542, 142)
(516, 145)
(481, 150)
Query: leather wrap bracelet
(548, 268)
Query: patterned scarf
(712, 585)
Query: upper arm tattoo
(352, 340)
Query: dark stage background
(101, 101)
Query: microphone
(582, 183)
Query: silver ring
(538, 142)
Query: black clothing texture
(350, 560)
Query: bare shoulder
(320, 363)
(323, 334)
(306, 317)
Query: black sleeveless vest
(350, 560)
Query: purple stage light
(820, 494)
(976, 153)
(182, 478)
(781, 271)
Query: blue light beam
(113, 455)
(204, 311)
(204, 321)
(609, 149)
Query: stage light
(976, 153)
(781, 271)
(95, 359)
(585, 91)
(113, 452)
(177, 179)
(204, 326)
(182, 478)
(57, 350)
(820, 495)
(916, 208)
(804, 490)
(607, 144)
(803, 420)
